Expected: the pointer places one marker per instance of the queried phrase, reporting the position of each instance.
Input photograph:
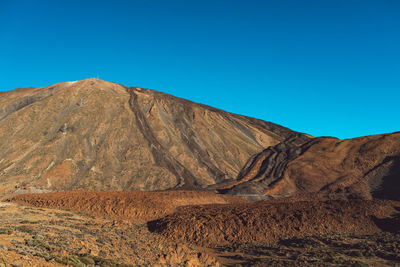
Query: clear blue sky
(325, 67)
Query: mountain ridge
(364, 167)
(97, 135)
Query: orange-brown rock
(136, 206)
(267, 221)
(97, 135)
(363, 167)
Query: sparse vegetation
(73, 239)
(25, 228)
(69, 240)
(5, 231)
(69, 260)
(63, 214)
(38, 241)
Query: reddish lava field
(213, 225)
(137, 206)
(228, 230)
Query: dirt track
(137, 206)
(213, 225)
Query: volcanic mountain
(92, 135)
(98, 135)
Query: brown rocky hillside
(97, 135)
(365, 167)
(268, 221)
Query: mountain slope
(362, 167)
(97, 135)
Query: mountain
(98, 135)
(365, 167)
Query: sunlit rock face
(93, 134)
(365, 167)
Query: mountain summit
(94, 134)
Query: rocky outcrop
(137, 206)
(97, 135)
(364, 167)
(265, 168)
(269, 221)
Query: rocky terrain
(365, 167)
(120, 229)
(32, 236)
(137, 206)
(267, 221)
(379, 249)
(78, 159)
(97, 135)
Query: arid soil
(98, 135)
(31, 236)
(365, 167)
(284, 232)
(326, 201)
(137, 206)
(267, 221)
(379, 249)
